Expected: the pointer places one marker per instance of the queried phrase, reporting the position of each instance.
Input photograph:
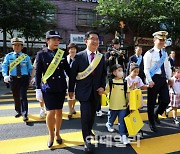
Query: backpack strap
(111, 85)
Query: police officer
(16, 70)
(157, 70)
(50, 63)
(115, 55)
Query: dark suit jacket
(56, 82)
(132, 59)
(172, 62)
(121, 60)
(92, 82)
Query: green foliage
(143, 17)
(31, 17)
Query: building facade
(76, 17)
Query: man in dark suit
(172, 59)
(138, 59)
(89, 87)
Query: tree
(31, 17)
(143, 17)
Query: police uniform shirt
(26, 66)
(150, 59)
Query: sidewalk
(3, 88)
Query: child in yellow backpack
(117, 101)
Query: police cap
(161, 35)
(17, 40)
(53, 33)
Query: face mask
(120, 74)
(178, 75)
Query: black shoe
(49, 144)
(153, 127)
(59, 141)
(69, 116)
(74, 112)
(157, 119)
(18, 115)
(25, 118)
(88, 147)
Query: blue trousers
(113, 114)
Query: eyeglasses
(93, 39)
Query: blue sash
(158, 65)
(139, 60)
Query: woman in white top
(72, 49)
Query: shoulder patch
(151, 50)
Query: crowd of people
(88, 74)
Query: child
(133, 80)
(174, 95)
(117, 103)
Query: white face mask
(120, 74)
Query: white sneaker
(109, 128)
(99, 113)
(176, 121)
(125, 140)
(42, 113)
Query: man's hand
(71, 94)
(7, 79)
(151, 84)
(100, 90)
(111, 57)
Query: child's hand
(136, 84)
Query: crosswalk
(18, 137)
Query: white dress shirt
(89, 54)
(150, 59)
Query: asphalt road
(19, 137)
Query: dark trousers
(160, 88)
(19, 88)
(98, 105)
(88, 111)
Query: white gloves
(39, 96)
(33, 80)
(7, 79)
